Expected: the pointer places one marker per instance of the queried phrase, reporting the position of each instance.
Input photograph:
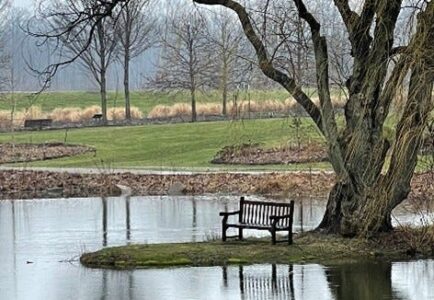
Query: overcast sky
(22, 3)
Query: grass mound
(307, 248)
(12, 153)
(254, 154)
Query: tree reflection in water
(48, 233)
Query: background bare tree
(136, 32)
(4, 55)
(101, 51)
(228, 42)
(82, 31)
(187, 59)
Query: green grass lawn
(177, 146)
(170, 146)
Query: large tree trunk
(363, 204)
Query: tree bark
(103, 92)
(127, 84)
(225, 100)
(365, 206)
(362, 203)
(224, 80)
(193, 106)
(103, 72)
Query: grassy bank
(309, 248)
(170, 145)
(179, 146)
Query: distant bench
(38, 123)
(271, 216)
(97, 117)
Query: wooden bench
(271, 216)
(97, 117)
(38, 123)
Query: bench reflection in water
(261, 285)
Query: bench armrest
(279, 217)
(230, 213)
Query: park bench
(97, 117)
(38, 123)
(271, 216)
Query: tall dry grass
(64, 115)
(18, 118)
(67, 114)
(159, 111)
(184, 109)
(118, 113)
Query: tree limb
(324, 118)
(264, 62)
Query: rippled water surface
(40, 241)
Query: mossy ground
(307, 248)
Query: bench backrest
(258, 212)
(37, 123)
(97, 116)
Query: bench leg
(273, 236)
(290, 237)
(224, 229)
(240, 233)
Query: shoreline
(33, 184)
(307, 248)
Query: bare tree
(228, 43)
(363, 198)
(186, 62)
(4, 55)
(79, 31)
(6, 69)
(13, 42)
(136, 33)
(99, 49)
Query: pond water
(41, 240)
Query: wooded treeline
(161, 45)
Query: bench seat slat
(255, 226)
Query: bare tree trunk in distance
(193, 105)
(103, 72)
(136, 34)
(127, 84)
